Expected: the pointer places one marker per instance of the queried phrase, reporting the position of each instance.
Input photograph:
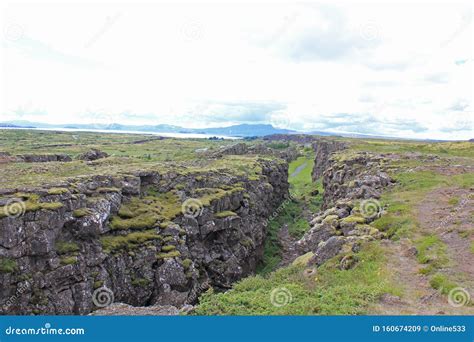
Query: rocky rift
(128, 234)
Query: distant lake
(160, 134)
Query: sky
(402, 70)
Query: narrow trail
(452, 223)
(446, 213)
(288, 250)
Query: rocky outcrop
(93, 154)
(43, 158)
(288, 154)
(144, 239)
(352, 184)
(324, 149)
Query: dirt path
(447, 213)
(288, 250)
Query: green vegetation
(328, 291)
(68, 260)
(141, 282)
(57, 191)
(128, 242)
(81, 212)
(224, 214)
(64, 247)
(29, 202)
(441, 282)
(7, 265)
(172, 254)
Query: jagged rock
(324, 149)
(326, 250)
(93, 154)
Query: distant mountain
(243, 130)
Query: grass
(128, 242)
(64, 247)
(329, 291)
(442, 283)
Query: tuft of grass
(127, 242)
(69, 260)
(431, 250)
(81, 212)
(224, 214)
(64, 247)
(57, 191)
(442, 283)
(7, 265)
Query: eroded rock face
(70, 242)
(43, 158)
(352, 184)
(324, 149)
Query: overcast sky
(401, 70)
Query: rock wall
(352, 183)
(324, 149)
(131, 238)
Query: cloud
(459, 105)
(319, 33)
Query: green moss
(7, 265)
(168, 248)
(57, 191)
(224, 214)
(69, 260)
(104, 190)
(431, 250)
(187, 263)
(172, 254)
(140, 222)
(82, 212)
(130, 241)
(353, 219)
(98, 283)
(141, 282)
(64, 247)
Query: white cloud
(393, 69)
